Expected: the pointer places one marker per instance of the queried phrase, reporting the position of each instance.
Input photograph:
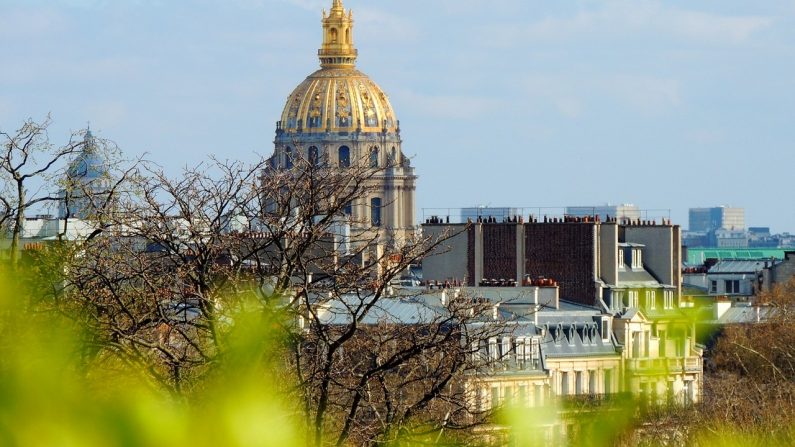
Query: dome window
(314, 156)
(344, 157)
(375, 211)
(288, 158)
(374, 157)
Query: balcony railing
(332, 53)
(666, 364)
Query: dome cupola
(337, 49)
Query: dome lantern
(337, 49)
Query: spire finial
(89, 143)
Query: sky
(524, 103)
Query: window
(333, 35)
(592, 382)
(651, 300)
(564, 383)
(288, 158)
(605, 330)
(621, 262)
(608, 381)
(375, 211)
(508, 395)
(732, 286)
(314, 156)
(690, 392)
(713, 287)
(495, 397)
(344, 157)
(637, 347)
(669, 299)
(632, 298)
(578, 383)
(522, 395)
(637, 262)
(348, 209)
(374, 157)
(520, 352)
(617, 299)
(669, 393)
(506, 349)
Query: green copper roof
(696, 256)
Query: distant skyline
(509, 103)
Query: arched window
(393, 156)
(333, 35)
(375, 211)
(348, 36)
(374, 157)
(345, 157)
(314, 156)
(288, 158)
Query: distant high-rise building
(717, 218)
(624, 212)
(720, 226)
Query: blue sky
(667, 105)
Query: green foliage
(53, 392)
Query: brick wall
(564, 252)
(499, 251)
(471, 256)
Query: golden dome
(338, 98)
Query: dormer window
(621, 262)
(605, 329)
(637, 262)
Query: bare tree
(175, 259)
(376, 369)
(28, 157)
